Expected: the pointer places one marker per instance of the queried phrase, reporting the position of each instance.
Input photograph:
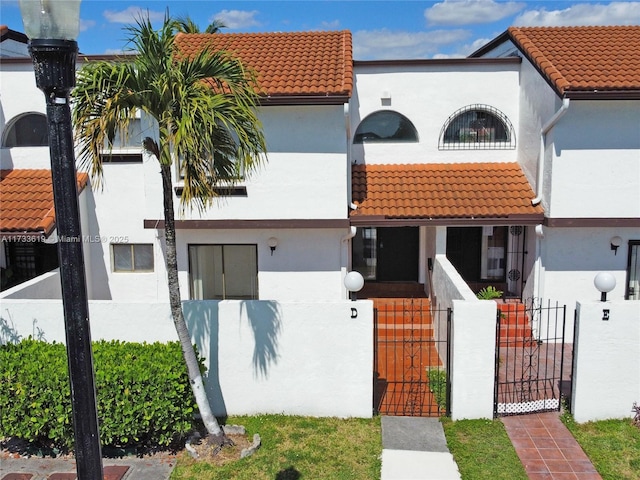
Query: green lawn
(612, 445)
(298, 448)
(482, 450)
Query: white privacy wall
(427, 94)
(606, 380)
(306, 358)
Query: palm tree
(204, 105)
(186, 25)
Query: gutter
(543, 135)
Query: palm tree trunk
(195, 378)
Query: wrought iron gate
(411, 358)
(533, 363)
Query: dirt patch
(207, 452)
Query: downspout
(347, 128)
(543, 134)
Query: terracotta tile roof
(583, 59)
(442, 191)
(288, 64)
(26, 201)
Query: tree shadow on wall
(203, 321)
(266, 322)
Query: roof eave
(383, 220)
(602, 94)
(304, 100)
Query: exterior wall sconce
(615, 243)
(604, 282)
(385, 98)
(273, 243)
(353, 281)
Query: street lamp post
(52, 27)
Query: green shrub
(143, 394)
(489, 293)
(438, 386)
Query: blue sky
(381, 29)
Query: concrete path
(415, 448)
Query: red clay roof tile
(583, 59)
(287, 64)
(442, 191)
(26, 199)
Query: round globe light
(354, 281)
(604, 282)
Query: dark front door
(397, 254)
(463, 251)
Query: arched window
(477, 127)
(385, 126)
(27, 130)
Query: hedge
(143, 394)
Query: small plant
(636, 417)
(438, 386)
(489, 293)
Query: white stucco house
(518, 167)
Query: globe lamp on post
(52, 28)
(604, 282)
(353, 281)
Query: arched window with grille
(477, 127)
(385, 126)
(26, 130)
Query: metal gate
(533, 363)
(411, 358)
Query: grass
(482, 450)
(298, 448)
(613, 446)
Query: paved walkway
(129, 468)
(415, 448)
(547, 449)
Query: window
(132, 139)
(132, 257)
(477, 127)
(27, 260)
(385, 126)
(218, 272)
(633, 271)
(28, 130)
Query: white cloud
(384, 44)
(468, 12)
(614, 13)
(333, 25)
(237, 19)
(86, 24)
(131, 14)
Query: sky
(382, 29)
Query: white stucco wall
(297, 358)
(572, 257)
(427, 95)
(606, 379)
(474, 349)
(596, 161)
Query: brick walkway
(547, 449)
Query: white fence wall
(606, 378)
(261, 356)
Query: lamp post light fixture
(353, 281)
(52, 27)
(604, 282)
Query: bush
(143, 394)
(438, 386)
(489, 293)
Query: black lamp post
(52, 26)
